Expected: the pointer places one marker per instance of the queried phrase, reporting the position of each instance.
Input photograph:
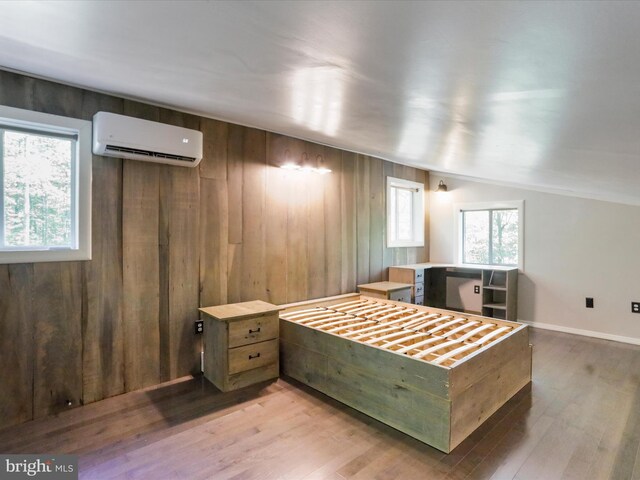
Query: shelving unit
(500, 293)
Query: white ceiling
(544, 94)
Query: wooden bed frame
(434, 374)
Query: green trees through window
(36, 189)
(490, 237)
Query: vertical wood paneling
(235, 165)
(50, 97)
(16, 344)
(234, 191)
(102, 328)
(141, 274)
(297, 240)
(164, 284)
(400, 255)
(57, 316)
(276, 219)
(316, 226)
(214, 160)
(184, 271)
(387, 253)
(363, 219)
(214, 235)
(58, 296)
(17, 90)
(141, 264)
(103, 350)
(168, 239)
(254, 275)
(181, 354)
(376, 220)
(332, 222)
(349, 225)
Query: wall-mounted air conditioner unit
(127, 137)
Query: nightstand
(241, 344)
(400, 292)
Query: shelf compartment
(493, 287)
(499, 306)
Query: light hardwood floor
(580, 419)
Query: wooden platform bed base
(434, 374)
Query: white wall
(573, 248)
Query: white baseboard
(584, 333)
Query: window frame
(458, 210)
(418, 212)
(81, 173)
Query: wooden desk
(497, 286)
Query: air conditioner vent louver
(148, 153)
(138, 139)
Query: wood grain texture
(363, 218)
(377, 216)
(235, 165)
(316, 226)
(183, 259)
(17, 90)
(57, 313)
(214, 159)
(102, 321)
(214, 228)
(184, 271)
(298, 239)
(388, 253)
(332, 223)
(141, 274)
(276, 219)
(349, 225)
(103, 342)
(167, 240)
(253, 201)
(577, 422)
(16, 344)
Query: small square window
(490, 234)
(405, 213)
(45, 187)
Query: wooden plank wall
(167, 240)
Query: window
(405, 213)
(45, 187)
(490, 234)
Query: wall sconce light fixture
(442, 187)
(305, 165)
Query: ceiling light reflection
(317, 97)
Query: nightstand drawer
(253, 330)
(253, 356)
(403, 295)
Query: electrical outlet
(476, 289)
(635, 307)
(589, 302)
(199, 327)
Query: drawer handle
(251, 357)
(254, 331)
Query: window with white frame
(490, 233)
(45, 187)
(405, 213)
